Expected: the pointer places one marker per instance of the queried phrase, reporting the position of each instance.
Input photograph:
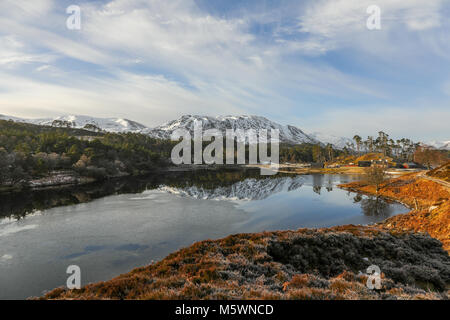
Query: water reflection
(247, 190)
(356, 198)
(252, 189)
(202, 184)
(317, 189)
(376, 207)
(145, 219)
(18, 205)
(323, 181)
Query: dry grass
(442, 172)
(303, 264)
(430, 202)
(373, 156)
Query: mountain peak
(288, 134)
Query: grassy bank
(303, 264)
(427, 196)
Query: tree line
(400, 148)
(29, 151)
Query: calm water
(146, 220)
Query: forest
(30, 151)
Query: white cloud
(25, 10)
(336, 23)
(14, 53)
(43, 67)
(330, 18)
(221, 65)
(149, 99)
(152, 60)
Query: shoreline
(67, 178)
(428, 201)
(70, 178)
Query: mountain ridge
(116, 125)
(288, 133)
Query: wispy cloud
(153, 60)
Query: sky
(314, 64)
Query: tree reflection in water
(356, 198)
(18, 205)
(317, 189)
(376, 207)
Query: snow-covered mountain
(4, 117)
(337, 142)
(442, 145)
(246, 190)
(288, 134)
(84, 122)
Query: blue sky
(313, 64)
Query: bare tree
(330, 152)
(370, 143)
(375, 176)
(358, 140)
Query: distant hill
(115, 125)
(337, 142)
(441, 145)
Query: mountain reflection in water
(245, 185)
(110, 228)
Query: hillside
(442, 172)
